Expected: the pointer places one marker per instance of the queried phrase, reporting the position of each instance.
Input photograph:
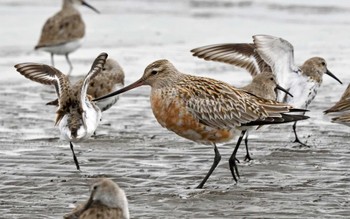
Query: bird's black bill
(129, 87)
(284, 90)
(89, 6)
(333, 76)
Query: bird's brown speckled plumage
(202, 109)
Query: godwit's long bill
(205, 110)
(63, 32)
(77, 116)
(276, 55)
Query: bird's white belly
(91, 119)
(63, 48)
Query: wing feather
(242, 55)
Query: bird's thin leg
(296, 136)
(217, 159)
(52, 61)
(74, 157)
(247, 156)
(232, 160)
(69, 63)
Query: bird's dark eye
(323, 63)
(271, 79)
(154, 72)
(95, 187)
(103, 69)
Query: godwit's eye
(154, 72)
(94, 188)
(271, 79)
(323, 63)
(103, 69)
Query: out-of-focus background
(158, 169)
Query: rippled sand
(157, 169)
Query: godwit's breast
(172, 113)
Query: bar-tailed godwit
(77, 116)
(205, 110)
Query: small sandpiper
(205, 110)
(77, 115)
(63, 32)
(107, 201)
(263, 85)
(341, 109)
(276, 55)
(110, 79)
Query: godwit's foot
(301, 143)
(248, 158)
(233, 159)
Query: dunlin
(204, 110)
(269, 53)
(263, 85)
(63, 32)
(110, 79)
(341, 109)
(107, 201)
(77, 116)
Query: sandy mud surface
(157, 169)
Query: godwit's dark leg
(217, 159)
(232, 160)
(52, 61)
(247, 156)
(296, 136)
(74, 157)
(69, 63)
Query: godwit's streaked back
(110, 79)
(77, 116)
(107, 201)
(205, 110)
(63, 32)
(270, 53)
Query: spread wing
(242, 55)
(343, 104)
(220, 105)
(44, 74)
(96, 68)
(278, 54)
(61, 28)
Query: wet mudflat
(157, 169)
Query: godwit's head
(157, 74)
(315, 67)
(268, 83)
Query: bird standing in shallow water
(77, 116)
(63, 32)
(107, 201)
(263, 85)
(205, 110)
(276, 55)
